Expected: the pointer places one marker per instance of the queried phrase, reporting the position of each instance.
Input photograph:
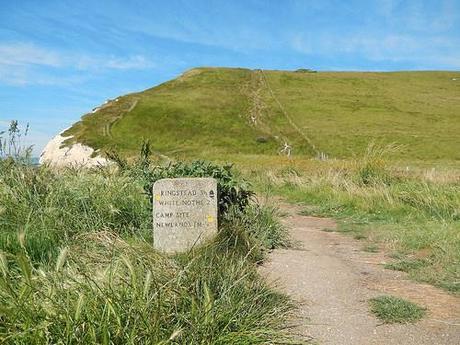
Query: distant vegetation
(305, 70)
(211, 113)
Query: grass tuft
(371, 248)
(390, 309)
(407, 265)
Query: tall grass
(415, 214)
(77, 267)
(127, 294)
(12, 142)
(51, 208)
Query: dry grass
(410, 212)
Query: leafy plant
(232, 190)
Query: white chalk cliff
(58, 155)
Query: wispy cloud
(28, 75)
(134, 62)
(28, 54)
(23, 64)
(435, 51)
(4, 124)
(434, 17)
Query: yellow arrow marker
(157, 197)
(210, 219)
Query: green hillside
(218, 112)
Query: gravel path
(333, 279)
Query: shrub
(304, 70)
(232, 190)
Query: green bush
(232, 190)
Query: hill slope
(216, 112)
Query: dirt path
(333, 279)
(107, 130)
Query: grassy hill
(216, 112)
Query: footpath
(333, 279)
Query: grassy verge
(77, 267)
(415, 215)
(391, 309)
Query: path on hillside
(107, 130)
(333, 279)
(289, 118)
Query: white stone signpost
(184, 213)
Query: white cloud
(434, 51)
(13, 76)
(26, 64)
(4, 123)
(28, 54)
(27, 75)
(86, 62)
(132, 62)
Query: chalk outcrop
(57, 154)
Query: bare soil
(333, 279)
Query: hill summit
(219, 112)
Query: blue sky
(59, 59)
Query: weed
(12, 146)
